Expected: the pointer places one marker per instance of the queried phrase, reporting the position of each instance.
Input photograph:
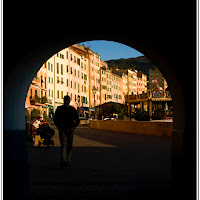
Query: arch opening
(169, 74)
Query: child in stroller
(44, 135)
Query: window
(36, 93)
(74, 85)
(52, 67)
(71, 71)
(61, 69)
(71, 84)
(45, 82)
(82, 99)
(49, 80)
(58, 94)
(45, 65)
(41, 81)
(31, 93)
(74, 59)
(74, 72)
(67, 68)
(48, 66)
(57, 68)
(52, 93)
(58, 79)
(67, 82)
(62, 80)
(67, 54)
(49, 92)
(78, 87)
(78, 61)
(61, 94)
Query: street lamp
(94, 90)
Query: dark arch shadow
(33, 51)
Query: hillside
(140, 64)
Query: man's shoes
(65, 164)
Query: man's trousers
(66, 141)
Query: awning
(82, 108)
(50, 106)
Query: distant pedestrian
(66, 119)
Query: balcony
(36, 100)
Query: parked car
(108, 118)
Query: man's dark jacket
(66, 117)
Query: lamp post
(94, 90)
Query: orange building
(37, 94)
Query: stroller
(44, 135)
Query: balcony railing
(155, 94)
(34, 100)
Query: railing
(34, 100)
(154, 94)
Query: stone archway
(21, 76)
(29, 43)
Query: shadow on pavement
(104, 164)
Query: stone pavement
(104, 164)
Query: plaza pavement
(105, 164)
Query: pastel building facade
(141, 83)
(94, 68)
(37, 94)
(76, 71)
(156, 80)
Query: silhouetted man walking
(66, 119)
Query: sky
(112, 50)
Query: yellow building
(141, 83)
(156, 80)
(131, 81)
